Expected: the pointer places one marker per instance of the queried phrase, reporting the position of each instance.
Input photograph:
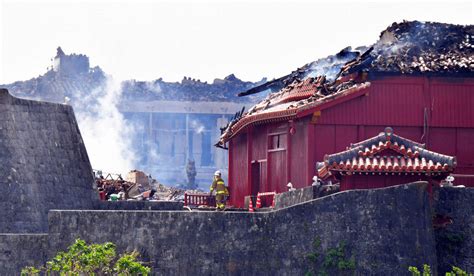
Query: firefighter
(221, 190)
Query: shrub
(456, 271)
(93, 259)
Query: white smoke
(107, 136)
(153, 87)
(197, 126)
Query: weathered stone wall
(290, 198)
(139, 205)
(385, 230)
(20, 250)
(455, 242)
(43, 164)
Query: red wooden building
(282, 138)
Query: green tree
(129, 265)
(330, 262)
(456, 271)
(93, 259)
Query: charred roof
(414, 46)
(403, 48)
(409, 47)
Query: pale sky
(147, 40)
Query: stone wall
(385, 231)
(138, 205)
(455, 241)
(20, 250)
(297, 196)
(43, 164)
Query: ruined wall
(385, 230)
(43, 164)
(455, 242)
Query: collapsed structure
(171, 123)
(418, 79)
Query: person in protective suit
(221, 190)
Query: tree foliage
(456, 271)
(333, 261)
(91, 259)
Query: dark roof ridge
(386, 140)
(442, 158)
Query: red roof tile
(389, 164)
(388, 153)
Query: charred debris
(407, 48)
(136, 186)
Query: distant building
(171, 132)
(70, 65)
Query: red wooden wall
(434, 111)
(298, 158)
(238, 166)
(377, 181)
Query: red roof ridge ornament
(388, 133)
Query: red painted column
(288, 154)
(249, 161)
(310, 154)
(231, 174)
(426, 110)
(269, 171)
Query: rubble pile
(410, 47)
(73, 79)
(329, 67)
(173, 193)
(114, 187)
(54, 87)
(137, 186)
(320, 88)
(187, 90)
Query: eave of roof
(390, 164)
(287, 111)
(366, 157)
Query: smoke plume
(106, 134)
